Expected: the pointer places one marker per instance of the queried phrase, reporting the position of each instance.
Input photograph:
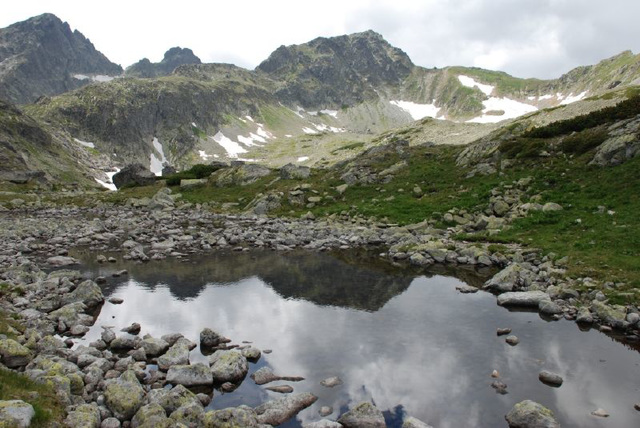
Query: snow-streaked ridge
(471, 83)
(156, 163)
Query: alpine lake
(406, 340)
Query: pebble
(330, 382)
(116, 300)
(503, 331)
(495, 374)
(550, 378)
(500, 387)
(325, 411)
(512, 340)
(601, 413)
(283, 389)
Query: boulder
(251, 353)
(173, 399)
(551, 206)
(16, 413)
(294, 172)
(133, 175)
(617, 150)
(13, 354)
(150, 415)
(87, 292)
(411, 422)
(153, 346)
(210, 338)
(522, 298)
(610, 315)
(190, 415)
(550, 378)
(510, 278)
(364, 415)
(59, 261)
(276, 412)
(265, 375)
(228, 366)
(231, 417)
(240, 175)
(190, 375)
(124, 396)
(178, 354)
(85, 416)
(529, 414)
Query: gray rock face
(41, 55)
(228, 366)
(364, 415)
(133, 174)
(16, 413)
(522, 298)
(623, 145)
(529, 414)
(173, 58)
(278, 411)
(190, 375)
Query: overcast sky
(526, 38)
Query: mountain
(173, 58)
(42, 56)
(315, 103)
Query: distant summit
(343, 70)
(173, 58)
(42, 56)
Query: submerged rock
(529, 414)
(265, 375)
(522, 298)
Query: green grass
(48, 409)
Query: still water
(407, 341)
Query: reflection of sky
(430, 350)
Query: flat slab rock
(278, 411)
(522, 298)
(265, 375)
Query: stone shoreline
(105, 384)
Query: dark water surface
(408, 342)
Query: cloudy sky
(526, 38)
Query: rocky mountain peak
(336, 71)
(173, 58)
(43, 56)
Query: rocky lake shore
(123, 379)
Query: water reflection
(409, 343)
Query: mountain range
(314, 103)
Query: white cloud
(527, 38)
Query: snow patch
(417, 111)
(470, 83)
(333, 113)
(85, 143)
(232, 148)
(109, 183)
(194, 124)
(81, 76)
(309, 131)
(324, 128)
(572, 99)
(250, 118)
(299, 110)
(511, 108)
(312, 113)
(97, 78)
(156, 163)
(303, 158)
(203, 155)
(261, 132)
(545, 97)
(288, 135)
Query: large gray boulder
(210, 338)
(617, 150)
(87, 292)
(16, 413)
(364, 415)
(178, 354)
(294, 172)
(154, 346)
(278, 411)
(228, 366)
(529, 414)
(150, 415)
(173, 399)
(124, 396)
(231, 417)
(523, 298)
(13, 354)
(134, 175)
(190, 375)
(511, 278)
(85, 416)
